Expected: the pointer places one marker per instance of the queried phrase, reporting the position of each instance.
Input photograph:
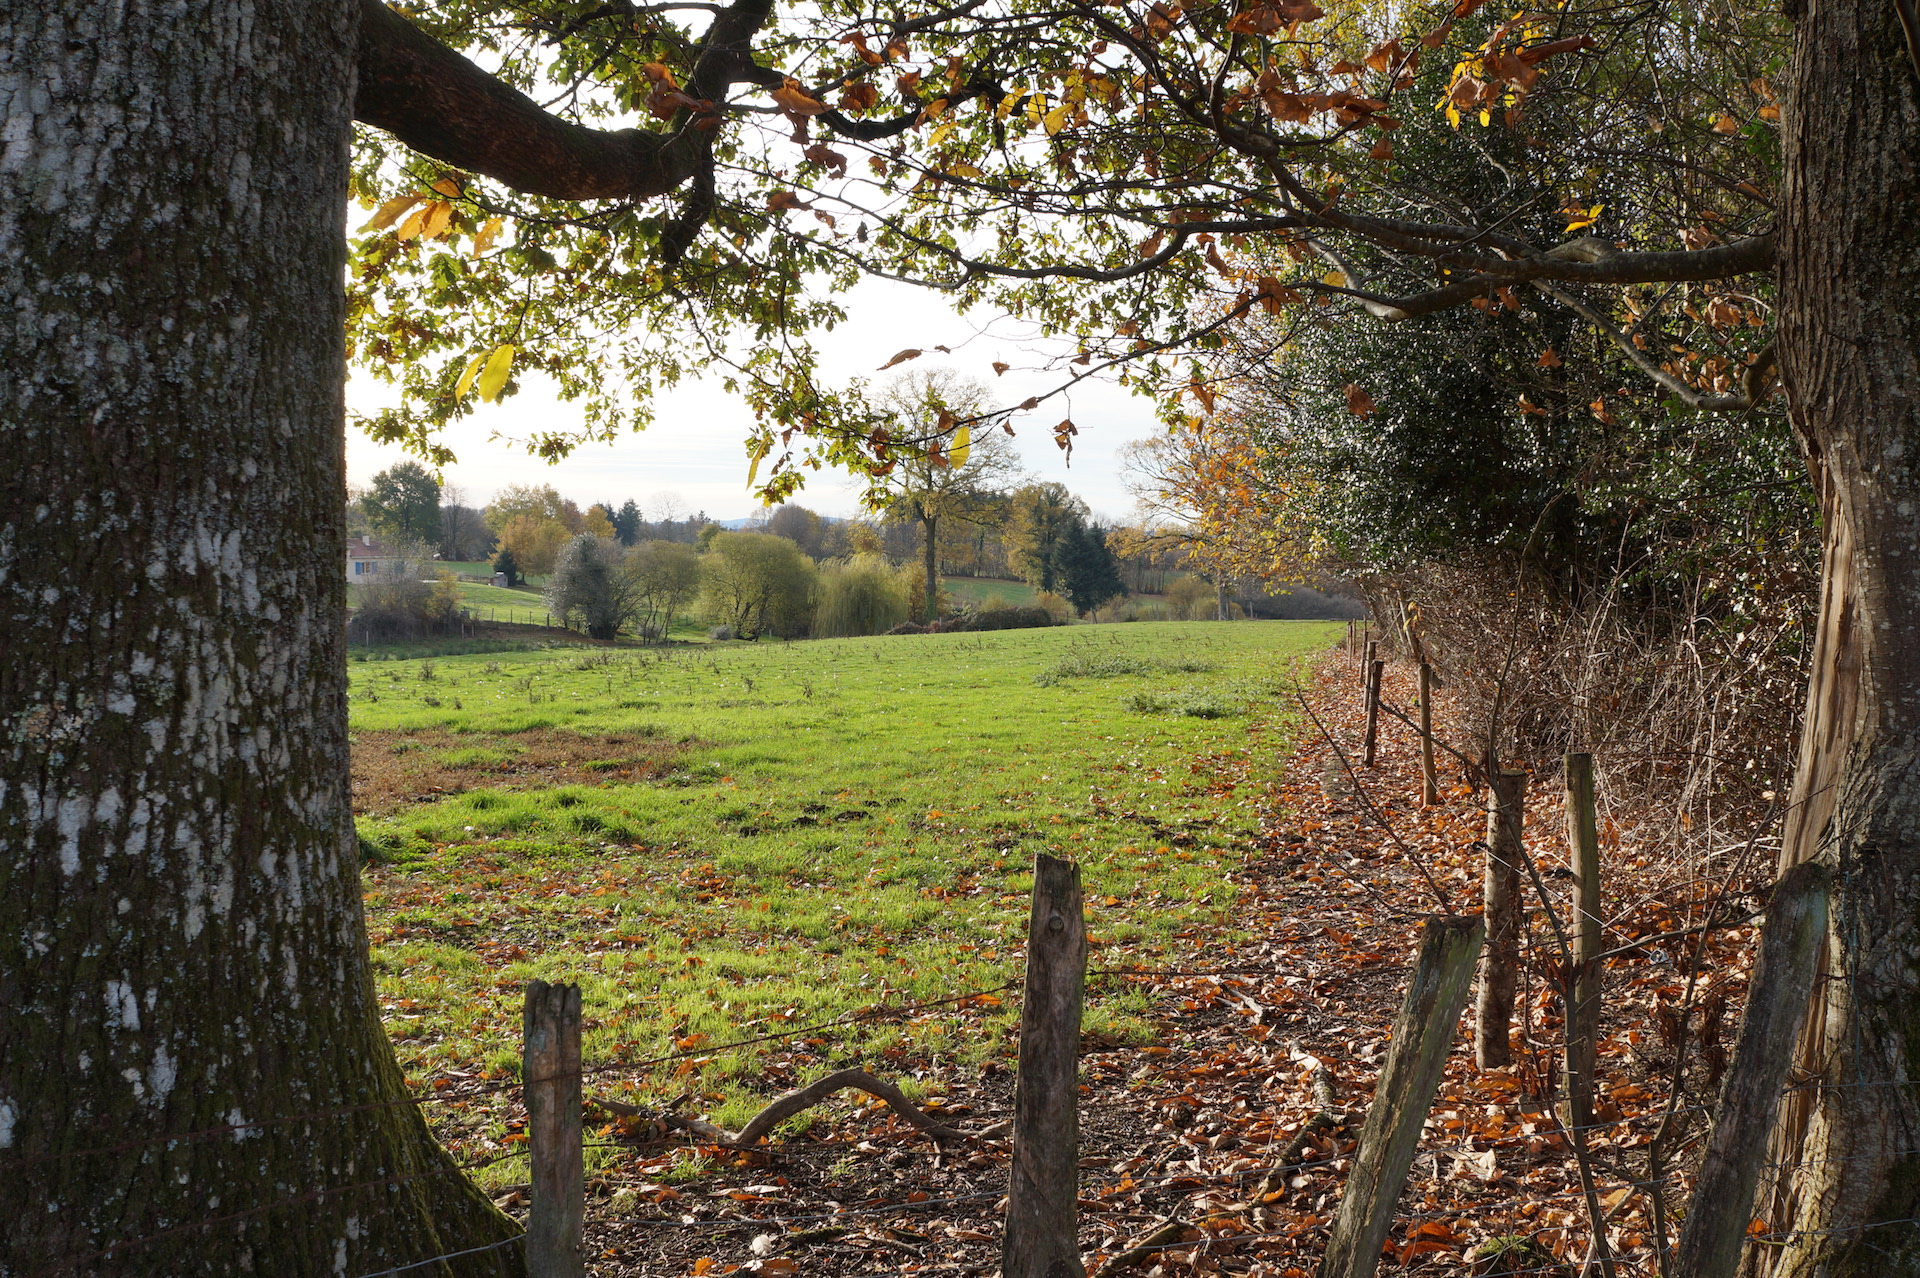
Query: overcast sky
(695, 449)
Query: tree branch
(1702, 400)
(440, 104)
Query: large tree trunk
(193, 1075)
(1850, 356)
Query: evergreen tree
(626, 523)
(1083, 567)
(504, 563)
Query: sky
(695, 449)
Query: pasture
(732, 839)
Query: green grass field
(723, 841)
(977, 590)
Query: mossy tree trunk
(1850, 352)
(181, 941)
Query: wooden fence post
(1500, 959)
(1792, 947)
(1376, 670)
(1429, 776)
(550, 1082)
(1415, 1054)
(1043, 1189)
(1583, 991)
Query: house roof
(368, 548)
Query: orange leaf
(795, 99)
(901, 358)
(1549, 358)
(1359, 403)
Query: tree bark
(1850, 358)
(931, 526)
(193, 1074)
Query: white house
(368, 561)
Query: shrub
(589, 590)
(1006, 618)
(862, 595)
(907, 628)
(757, 582)
(403, 607)
(1057, 608)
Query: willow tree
(193, 1076)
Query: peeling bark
(181, 941)
(1850, 357)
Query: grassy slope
(977, 590)
(853, 821)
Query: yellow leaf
(493, 379)
(1336, 279)
(963, 170)
(416, 220)
(466, 378)
(387, 213)
(962, 445)
(940, 134)
(753, 470)
(1578, 217)
(1055, 120)
(439, 213)
(484, 239)
(447, 187)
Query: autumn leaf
(1549, 358)
(962, 447)
(780, 201)
(390, 212)
(1029, 404)
(659, 74)
(415, 222)
(493, 379)
(1359, 403)
(795, 99)
(1726, 124)
(1202, 392)
(439, 214)
(483, 239)
(999, 368)
(901, 358)
(1579, 218)
(466, 378)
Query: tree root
(1326, 1118)
(792, 1103)
(813, 1093)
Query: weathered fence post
(1792, 945)
(1418, 1049)
(1583, 989)
(1500, 959)
(1375, 669)
(550, 1082)
(1429, 776)
(1043, 1186)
